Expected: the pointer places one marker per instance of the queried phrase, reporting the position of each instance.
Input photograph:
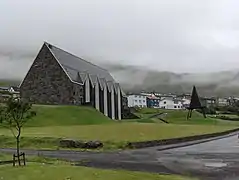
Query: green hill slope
(174, 116)
(67, 115)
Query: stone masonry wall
(47, 83)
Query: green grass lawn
(114, 136)
(67, 115)
(38, 171)
(65, 172)
(179, 117)
(120, 131)
(83, 123)
(39, 168)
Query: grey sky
(174, 35)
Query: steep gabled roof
(74, 65)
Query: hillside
(66, 115)
(136, 78)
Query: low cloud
(172, 35)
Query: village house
(222, 102)
(7, 92)
(14, 91)
(137, 100)
(207, 102)
(61, 78)
(170, 103)
(153, 101)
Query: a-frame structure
(195, 104)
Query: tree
(195, 104)
(13, 116)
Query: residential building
(186, 102)
(4, 94)
(61, 78)
(153, 101)
(14, 91)
(233, 101)
(7, 92)
(207, 102)
(137, 100)
(4, 89)
(170, 103)
(222, 102)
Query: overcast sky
(173, 35)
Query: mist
(139, 37)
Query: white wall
(222, 102)
(186, 102)
(137, 100)
(87, 90)
(170, 104)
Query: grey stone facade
(59, 77)
(47, 83)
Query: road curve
(214, 160)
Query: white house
(137, 100)
(222, 102)
(186, 102)
(170, 103)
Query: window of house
(178, 106)
(135, 100)
(175, 107)
(135, 96)
(139, 101)
(164, 102)
(143, 100)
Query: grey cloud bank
(164, 35)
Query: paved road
(214, 160)
(217, 159)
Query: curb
(177, 141)
(191, 143)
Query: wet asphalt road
(214, 160)
(217, 159)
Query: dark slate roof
(78, 68)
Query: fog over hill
(139, 78)
(136, 78)
(146, 45)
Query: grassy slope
(179, 117)
(114, 136)
(67, 115)
(54, 122)
(124, 131)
